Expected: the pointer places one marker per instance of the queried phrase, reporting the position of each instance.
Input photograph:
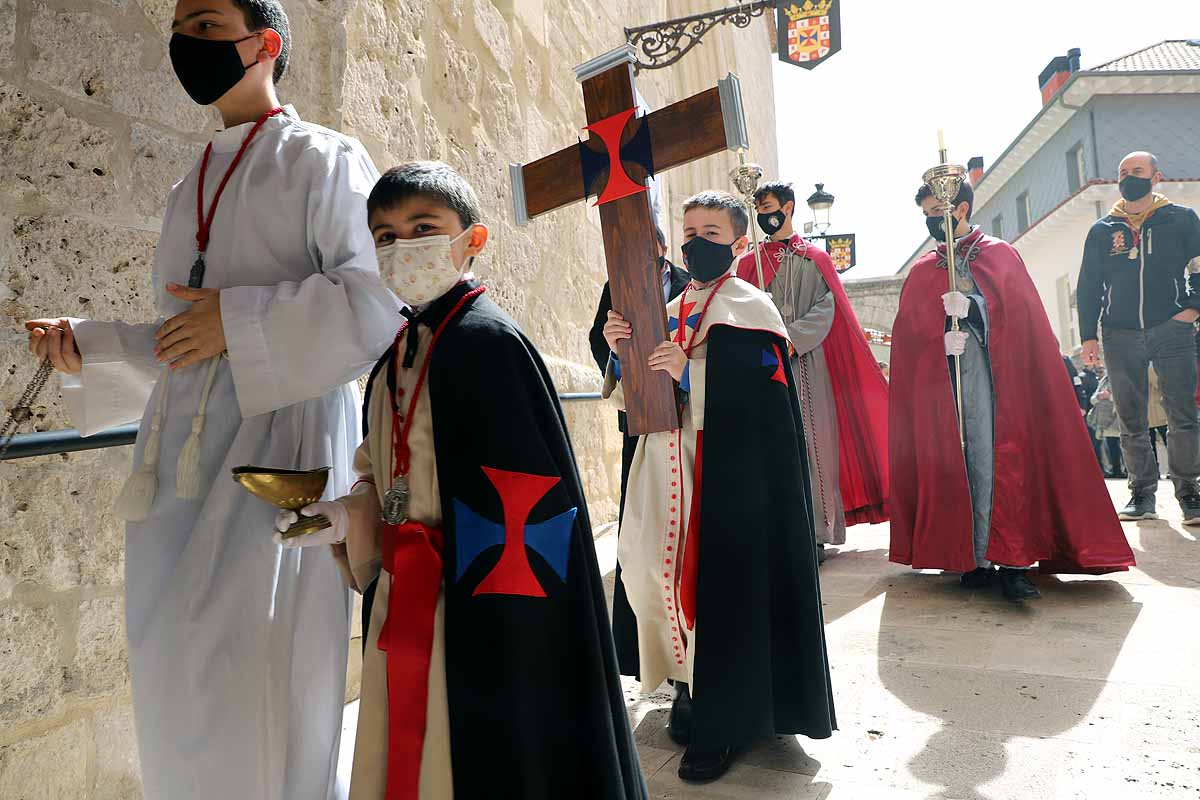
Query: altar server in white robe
(237, 653)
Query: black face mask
(662, 263)
(207, 68)
(1135, 188)
(771, 223)
(707, 260)
(937, 227)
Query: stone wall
(875, 301)
(93, 132)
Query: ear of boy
(476, 241)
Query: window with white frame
(1076, 169)
(1068, 323)
(1023, 214)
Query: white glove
(956, 304)
(956, 344)
(335, 512)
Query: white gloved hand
(336, 513)
(956, 304)
(956, 343)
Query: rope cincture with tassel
(137, 498)
(187, 476)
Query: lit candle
(941, 140)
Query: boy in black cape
(489, 667)
(717, 534)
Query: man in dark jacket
(674, 279)
(1139, 280)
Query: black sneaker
(1190, 504)
(1017, 586)
(1141, 506)
(979, 578)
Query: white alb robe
(238, 647)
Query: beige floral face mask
(420, 271)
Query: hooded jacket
(1137, 278)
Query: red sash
(412, 555)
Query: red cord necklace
(203, 222)
(395, 501)
(679, 333)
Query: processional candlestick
(944, 181)
(746, 177)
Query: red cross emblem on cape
(519, 493)
(774, 358)
(690, 322)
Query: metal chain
(23, 410)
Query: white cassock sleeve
(294, 341)
(119, 373)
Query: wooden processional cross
(622, 151)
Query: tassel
(187, 475)
(137, 497)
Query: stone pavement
(1091, 693)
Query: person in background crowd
(1140, 279)
(1156, 418)
(1103, 419)
(1089, 382)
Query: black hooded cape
(536, 706)
(761, 665)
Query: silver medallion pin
(395, 502)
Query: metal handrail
(50, 443)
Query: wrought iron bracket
(664, 43)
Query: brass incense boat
(287, 489)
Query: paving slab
(1091, 693)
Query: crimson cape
(1050, 504)
(860, 391)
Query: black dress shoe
(979, 578)
(1017, 586)
(679, 728)
(705, 767)
(821, 554)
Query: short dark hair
(658, 234)
(431, 179)
(965, 195)
(783, 192)
(263, 14)
(722, 201)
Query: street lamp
(821, 203)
